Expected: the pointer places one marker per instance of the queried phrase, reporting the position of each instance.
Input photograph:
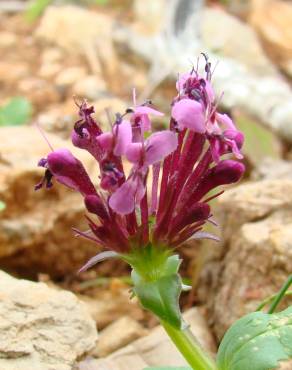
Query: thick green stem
(187, 344)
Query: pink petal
(69, 171)
(182, 80)
(159, 146)
(123, 199)
(144, 109)
(225, 120)
(123, 137)
(105, 140)
(134, 152)
(209, 91)
(189, 114)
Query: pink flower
(140, 116)
(187, 163)
(189, 114)
(158, 146)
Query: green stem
(270, 299)
(281, 294)
(187, 344)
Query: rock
(255, 257)
(272, 169)
(12, 72)
(265, 95)
(69, 76)
(272, 20)
(36, 227)
(90, 87)
(242, 46)
(49, 70)
(84, 32)
(59, 119)
(148, 15)
(107, 306)
(40, 92)
(7, 39)
(154, 349)
(52, 55)
(118, 334)
(42, 328)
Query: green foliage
(157, 283)
(17, 112)
(259, 141)
(2, 205)
(258, 341)
(161, 297)
(37, 7)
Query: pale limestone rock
(156, 349)
(41, 328)
(69, 76)
(91, 87)
(255, 257)
(272, 20)
(242, 46)
(272, 169)
(36, 227)
(249, 83)
(118, 334)
(108, 306)
(83, 32)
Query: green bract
(157, 283)
(258, 341)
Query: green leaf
(2, 205)
(36, 8)
(161, 297)
(16, 112)
(258, 341)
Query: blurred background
(55, 51)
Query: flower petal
(123, 133)
(123, 199)
(189, 114)
(69, 171)
(105, 140)
(159, 146)
(144, 109)
(226, 121)
(134, 152)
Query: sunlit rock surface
(42, 328)
(36, 227)
(255, 257)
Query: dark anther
(78, 128)
(196, 94)
(109, 166)
(130, 110)
(119, 118)
(147, 102)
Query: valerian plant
(143, 219)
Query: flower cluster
(185, 161)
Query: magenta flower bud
(225, 172)
(69, 171)
(95, 205)
(196, 213)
